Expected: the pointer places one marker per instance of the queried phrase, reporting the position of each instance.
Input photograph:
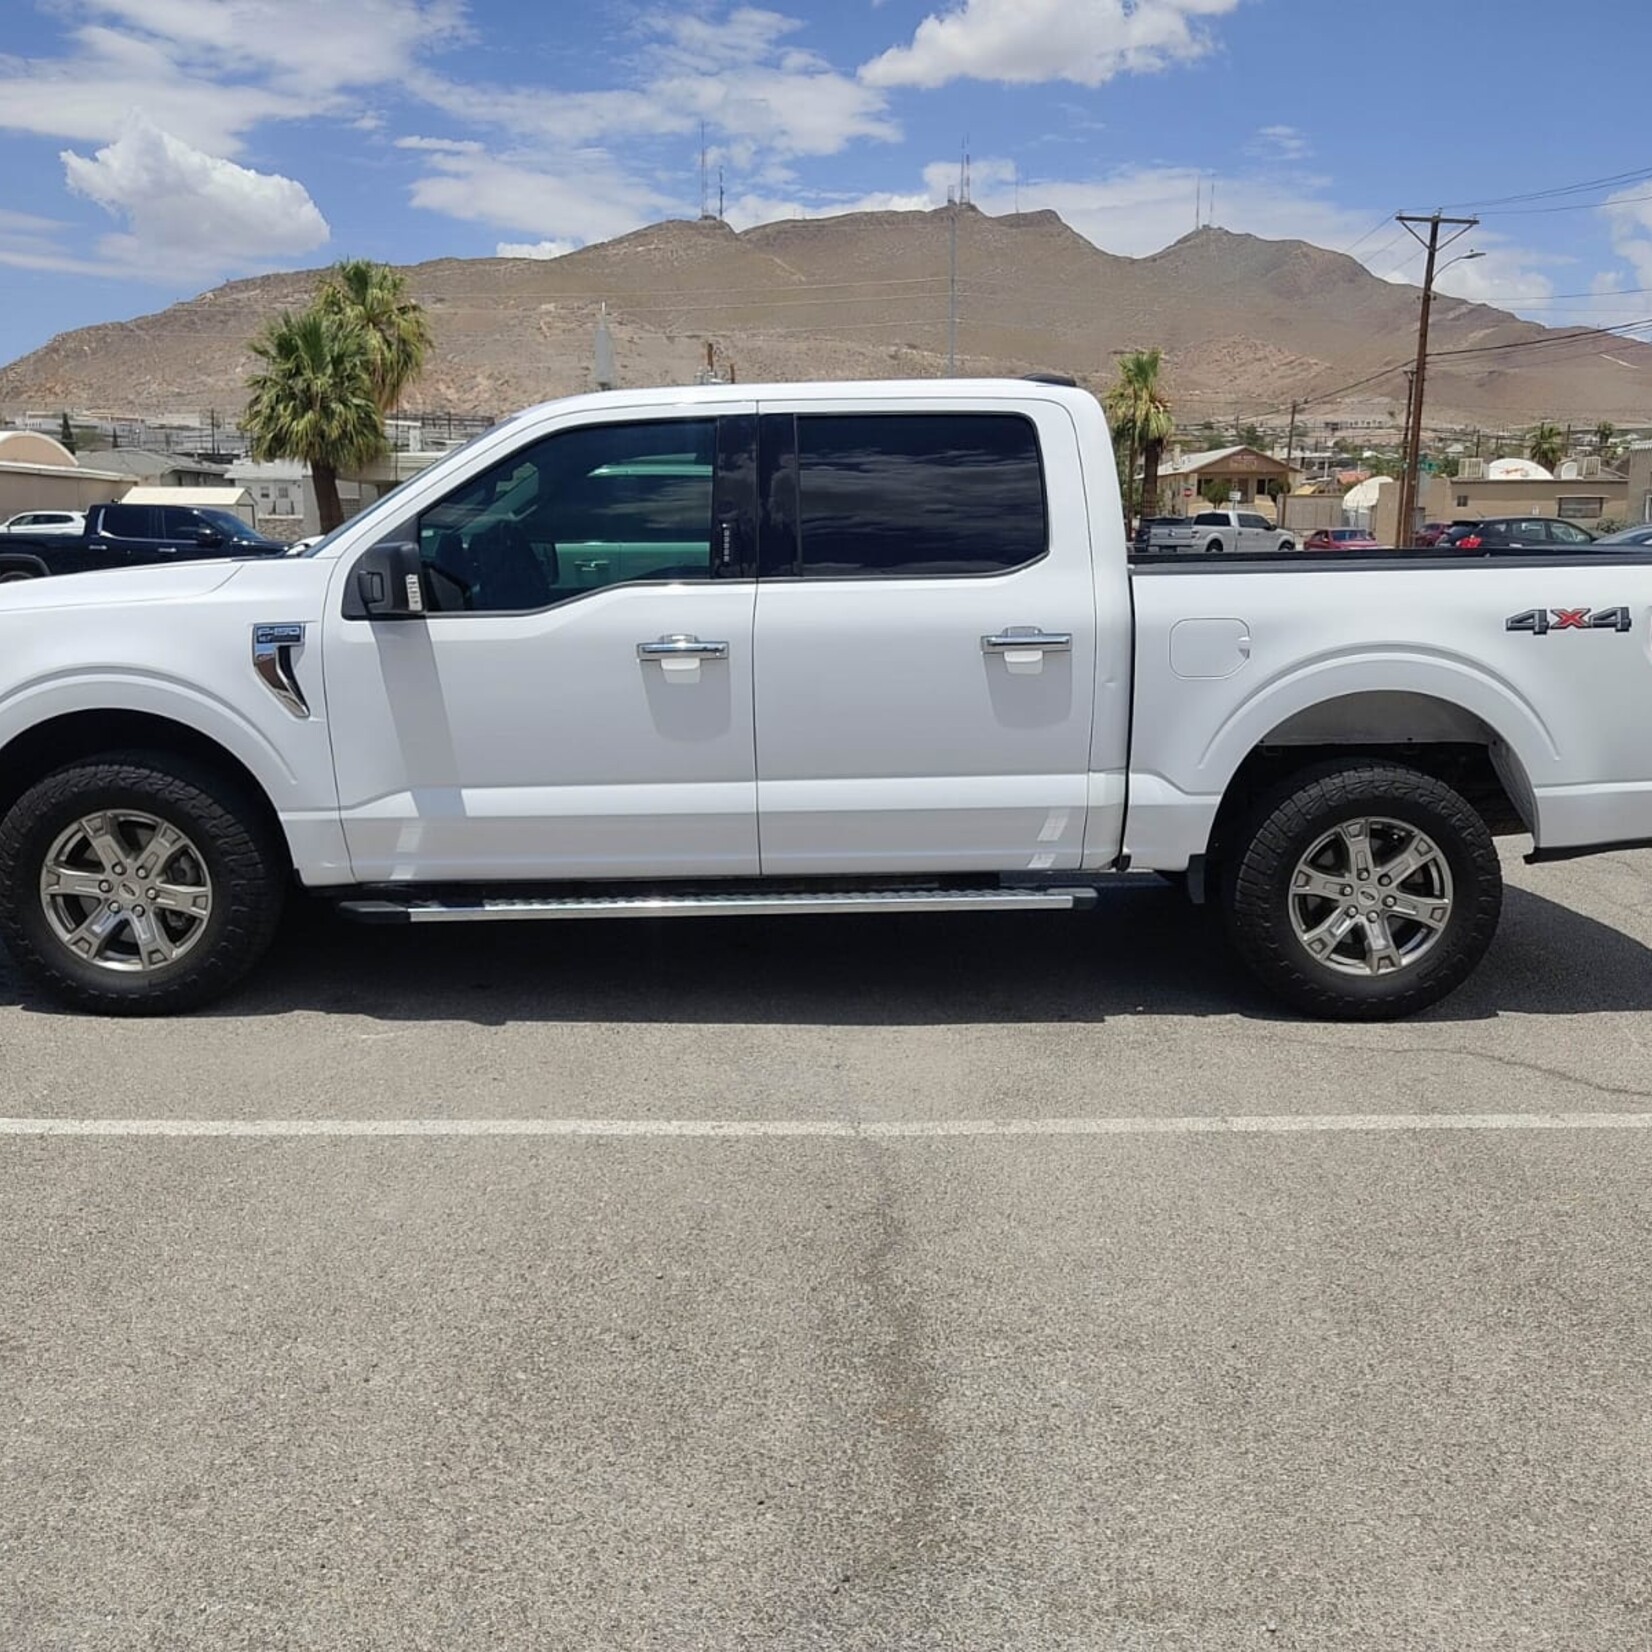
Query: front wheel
(137, 884)
(1363, 891)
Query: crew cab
(123, 536)
(1218, 532)
(803, 649)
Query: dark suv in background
(124, 536)
(1513, 533)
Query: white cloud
(1279, 143)
(300, 44)
(87, 97)
(742, 75)
(1629, 218)
(28, 242)
(190, 213)
(578, 199)
(443, 146)
(533, 249)
(1028, 41)
(1503, 276)
(211, 70)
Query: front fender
(60, 695)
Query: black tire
(241, 857)
(1286, 546)
(1215, 548)
(1283, 829)
(10, 576)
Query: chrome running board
(453, 911)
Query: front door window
(601, 505)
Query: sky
(150, 149)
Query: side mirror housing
(208, 538)
(389, 584)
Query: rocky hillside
(1246, 324)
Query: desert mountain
(1247, 325)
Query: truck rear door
(117, 536)
(926, 638)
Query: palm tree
(374, 298)
(312, 400)
(1141, 420)
(1604, 432)
(1545, 444)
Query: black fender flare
(16, 563)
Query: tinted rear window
(913, 494)
(129, 521)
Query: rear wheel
(137, 885)
(10, 576)
(1363, 891)
(1214, 548)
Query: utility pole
(1414, 415)
(1290, 437)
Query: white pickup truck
(1215, 532)
(802, 649)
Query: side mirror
(207, 537)
(389, 583)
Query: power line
(1575, 206)
(1621, 329)
(1617, 179)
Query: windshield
(229, 524)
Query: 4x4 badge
(1541, 621)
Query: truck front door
(926, 657)
(577, 704)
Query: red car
(1340, 539)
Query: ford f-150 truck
(1214, 532)
(803, 649)
(125, 536)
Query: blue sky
(151, 148)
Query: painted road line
(1279, 1124)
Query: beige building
(1587, 501)
(1243, 474)
(1639, 484)
(38, 473)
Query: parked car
(801, 650)
(1214, 533)
(1341, 539)
(1163, 533)
(122, 536)
(52, 522)
(1641, 536)
(1514, 533)
(1429, 535)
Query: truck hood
(117, 587)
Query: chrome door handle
(680, 648)
(1029, 637)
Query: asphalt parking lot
(839, 1283)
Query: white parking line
(1280, 1124)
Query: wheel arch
(77, 736)
(1437, 735)
(13, 562)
